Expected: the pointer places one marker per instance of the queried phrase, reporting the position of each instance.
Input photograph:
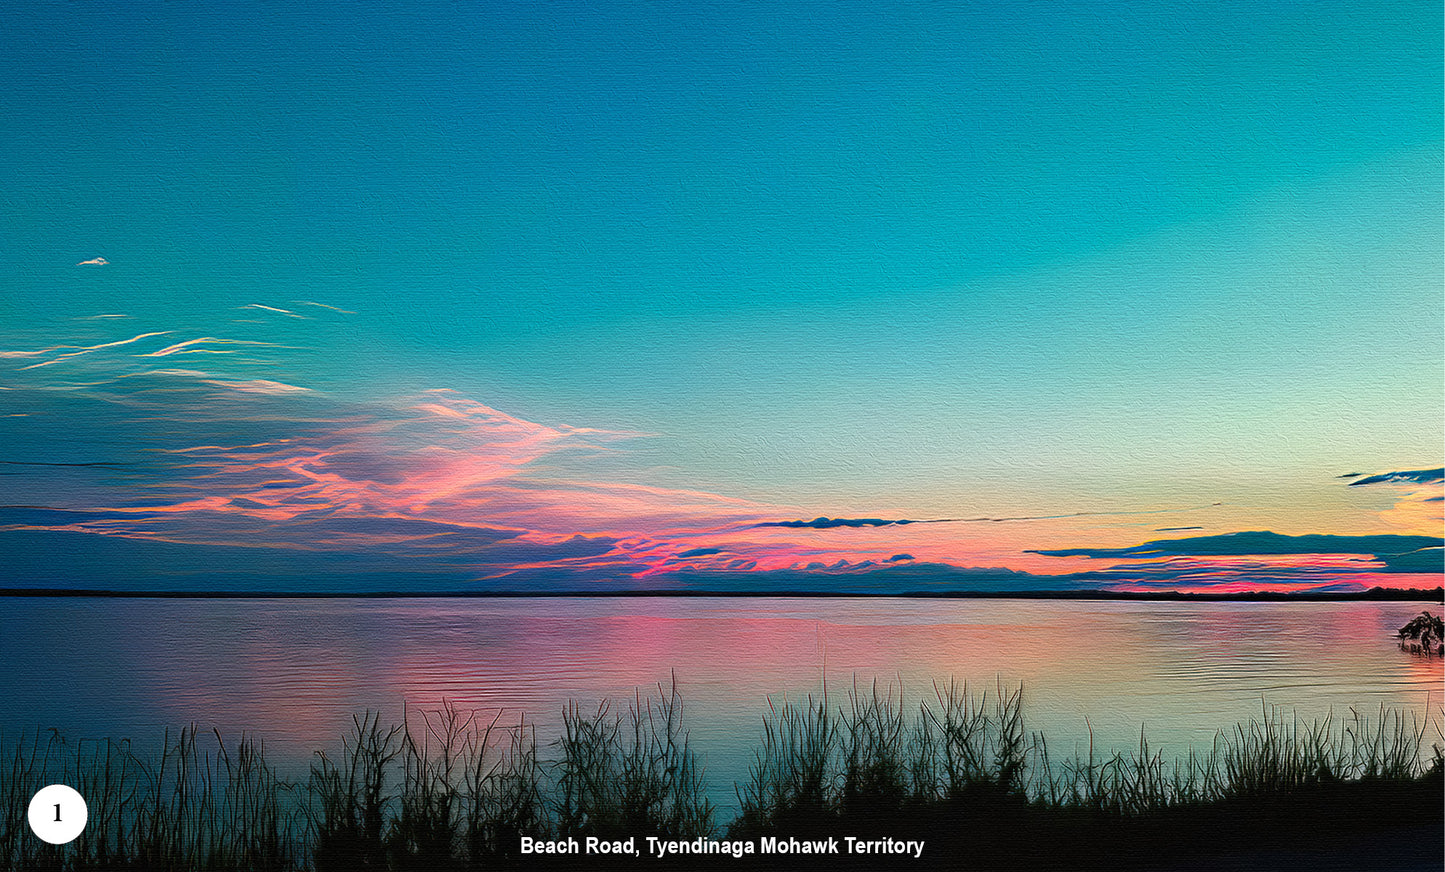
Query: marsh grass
(964, 770)
(619, 776)
(349, 803)
(449, 789)
(506, 789)
(198, 803)
(869, 758)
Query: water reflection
(295, 671)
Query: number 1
(57, 812)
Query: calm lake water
(295, 671)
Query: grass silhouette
(449, 790)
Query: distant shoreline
(1377, 594)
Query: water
(294, 672)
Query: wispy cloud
(70, 352)
(287, 312)
(203, 345)
(436, 477)
(1414, 476)
(323, 306)
(216, 470)
(258, 386)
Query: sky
(465, 296)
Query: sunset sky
(506, 296)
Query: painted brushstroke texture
(762, 296)
(211, 480)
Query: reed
(349, 804)
(877, 771)
(198, 803)
(506, 791)
(619, 778)
(790, 783)
(448, 789)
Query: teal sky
(927, 260)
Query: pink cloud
(264, 463)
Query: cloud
(186, 478)
(69, 559)
(1420, 560)
(1397, 553)
(323, 306)
(833, 523)
(258, 386)
(1416, 476)
(287, 312)
(1417, 497)
(437, 451)
(109, 360)
(201, 345)
(435, 479)
(69, 352)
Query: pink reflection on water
(1183, 670)
(296, 672)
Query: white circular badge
(57, 813)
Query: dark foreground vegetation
(449, 791)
